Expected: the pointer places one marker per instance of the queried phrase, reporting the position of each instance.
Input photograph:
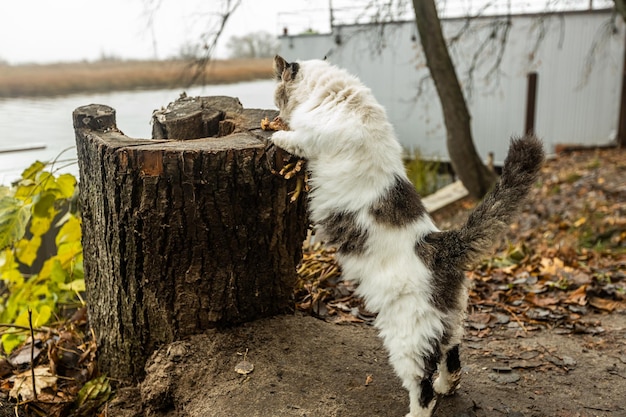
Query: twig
(32, 351)
(601, 408)
(513, 314)
(39, 329)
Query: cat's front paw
(281, 139)
(422, 413)
(284, 140)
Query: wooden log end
(95, 117)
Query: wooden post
(531, 103)
(182, 236)
(621, 126)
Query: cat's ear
(284, 71)
(279, 66)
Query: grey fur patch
(427, 393)
(492, 216)
(453, 359)
(399, 206)
(294, 67)
(453, 365)
(440, 252)
(343, 232)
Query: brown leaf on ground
(564, 257)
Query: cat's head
(285, 71)
(296, 82)
(285, 74)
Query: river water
(26, 122)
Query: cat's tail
(490, 219)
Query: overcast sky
(72, 30)
(45, 31)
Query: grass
(425, 175)
(103, 76)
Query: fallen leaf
(343, 317)
(541, 301)
(604, 304)
(23, 384)
(21, 356)
(579, 296)
(550, 266)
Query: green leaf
(78, 285)
(46, 181)
(44, 204)
(40, 316)
(10, 341)
(32, 171)
(14, 215)
(66, 184)
(93, 394)
(40, 225)
(57, 273)
(25, 190)
(70, 232)
(26, 250)
(78, 272)
(7, 260)
(12, 277)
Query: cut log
(182, 236)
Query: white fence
(578, 58)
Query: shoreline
(53, 80)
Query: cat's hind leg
(422, 398)
(449, 372)
(419, 383)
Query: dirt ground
(545, 335)
(547, 347)
(307, 367)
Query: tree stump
(182, 236)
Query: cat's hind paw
(447, 385)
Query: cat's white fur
(354, 158)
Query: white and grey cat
(409, 272)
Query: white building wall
(574, 106)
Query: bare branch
(600, 41)
(210, 39)
(216, 23)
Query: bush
(425, 175)
(38, 208)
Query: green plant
(424, 175)
(36, 209)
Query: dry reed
(69, 78)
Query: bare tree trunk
(620, 6)
(465, 160)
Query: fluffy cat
(409, 272)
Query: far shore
(91, 77)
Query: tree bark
(465, 160)
(182, 236)
(620, 7)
